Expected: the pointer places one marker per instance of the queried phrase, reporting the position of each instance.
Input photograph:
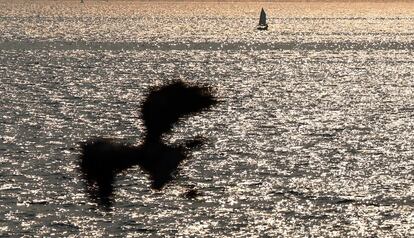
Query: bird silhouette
(102, 159)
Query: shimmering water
(314, 135)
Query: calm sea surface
(314, 135)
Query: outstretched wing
(100, 161)
(166, 105)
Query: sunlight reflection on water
(313, 135)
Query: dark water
(313, 137)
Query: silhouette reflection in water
(102, 159)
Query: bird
(102, 159)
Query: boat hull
(262, 27)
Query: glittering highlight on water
(313, 135)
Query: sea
(313, 135)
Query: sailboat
(262, 22)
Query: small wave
(211, 46)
